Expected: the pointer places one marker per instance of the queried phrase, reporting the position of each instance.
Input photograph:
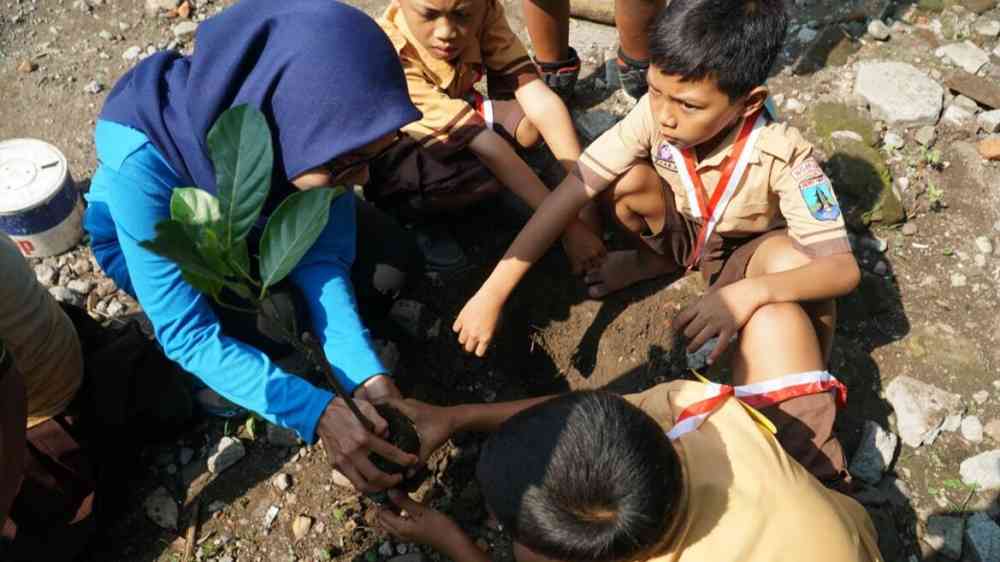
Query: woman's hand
(434, 423)
(720, 313)
(348, 443)
(477, 322)
(421, 524)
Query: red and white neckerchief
(710, 209)
(757, 395)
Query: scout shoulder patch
(664, 157)
(822, 203)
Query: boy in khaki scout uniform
(702, 179)
(462, 150)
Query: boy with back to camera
(463, 149)
(596, 477)
(701, 179)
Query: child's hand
(720, 313)
(419, 523)
(585, 249)
(434, 423)
(477, 323)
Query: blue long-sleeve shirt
(135, 183)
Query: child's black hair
(585, 477)
(734, 42)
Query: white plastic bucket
(40, 207)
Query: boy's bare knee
(777, 318)
(777, 340)
(527, 133)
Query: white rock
(966, 102)
(982, 470)
(874, 454)
(920, 408)
(270, 516)
(153, 7)
(114, 308)
(93, 87)
(807, 34)
(965, 55)
(795, 106)
(282, 481)
(301, 526)
(989, 121)
(162, 509)
(63, 294)
(846, 136)
(898, 93)
(46, 274)
(983, 537)
(979, 260)
(926, 135)
(984, 245)
(893, 140)
(981, 397)
(132, 53)
(81, 286)
(879, 30)
(972, 429)
(342, 481)
(944, 535)
(185, 29)
(958, 280)
(227, 453)
(952, 423)
(987, 27)
(957, 117)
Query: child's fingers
(481, 348)
(694, 327)
(390, 521)
(699, 340)
(724, 338)
(683, 317)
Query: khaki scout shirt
(39, 335)
(745, 499)
(783, 185)
(437, 87)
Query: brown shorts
(805, 431)
(409, 168)
(725, 258)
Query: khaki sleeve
(508, 66)
(448, 124)
(658, 402)
(809, 204)
(618, 149)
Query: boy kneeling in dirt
(664, 475)
(700, 177)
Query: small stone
(81, 286)
(881, 268)
(81, 266)
(972, 429)
(893, 141)
(807, 34)
(966, 55)
(270, 516)
(987, 28)
(984, 245)
(185, 29)
(903, 183)
(93, 87)
(992, 429)
(926, 135)
(958, 280)
(27, 67)
(228, 452)
(966, 102)
(282, 481)
(989, 121)
(114, 308)
(279, 436)
(132, 53)
(161, 508)
(920, 408)
(874, 454)
(386, 550)
(46, 274)
(989, 148)
(154, 7)
(952, 423)
(909, 229)
(979, 260)
(957, 117)
(846, 136)
(982, 470)
(879, 30)
(794, 106)
(301, 526)
(983, 537)
(342, 481)
(944, 535)
(63, 294)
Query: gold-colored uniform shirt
(745, 499)
(438, 87)
(39, 335)
(783, 184)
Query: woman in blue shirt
(334, 95)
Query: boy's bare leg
(636, 203)
(548, 27)
(633, 18)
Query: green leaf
(210, 247)
(174, 242)
(292, 230)
(205, 285)
(194, 206)
(239, 145)
(239, 259)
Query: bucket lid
(31, 172)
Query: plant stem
(236, 308)
(316, 353)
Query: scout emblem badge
(817, 191)
(665, 157)
(711, 210)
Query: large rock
(983, 537)
(989, 121)
(982, 470)
(899, 94)
(874, 454)
(227, 453)
(830, 118)
(863, 184)
(162, 509)
(965, 55)
(920, 409)
(944, 535)
(958, 117)
(985, 91)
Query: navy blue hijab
(323, 73)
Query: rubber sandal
(561, 76)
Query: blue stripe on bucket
(42, 217)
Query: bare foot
(624, 268)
